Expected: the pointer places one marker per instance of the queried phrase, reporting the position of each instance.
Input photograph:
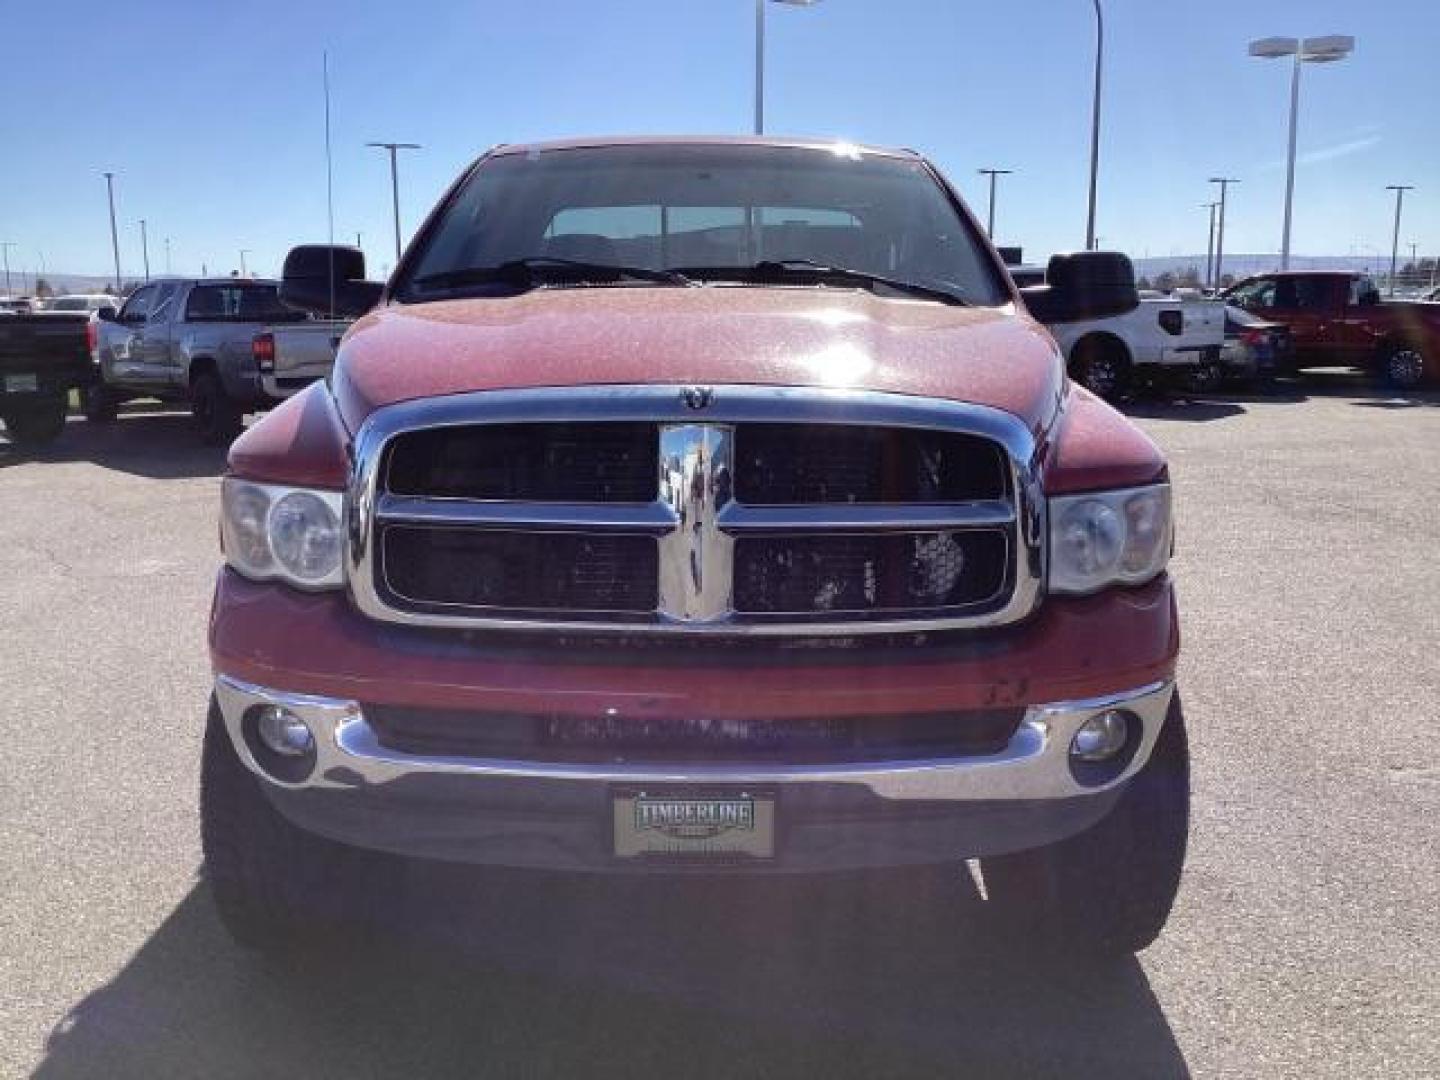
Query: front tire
(276, 887)
(1102, 368)
(99, 404)
(1207, 378)
(1109, 890)
(218, 416)
(1403, 367)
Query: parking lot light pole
(1399, 190)
(760, 56)
(5, 246)
(392, 147)
(244, 273)
(1210, 245)
(167, 256)
(145, 249)
(1318, 50)
(1091, 241)
(1224, 182)
(990, 216)
(114, 235)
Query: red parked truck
(1338, 318)
(699, 507)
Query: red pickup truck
(1338, 318)
(699, 507)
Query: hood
(820, 337)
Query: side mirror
(1083, 285)
(105, 314)
(317, 276)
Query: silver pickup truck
(214, 343)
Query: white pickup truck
(1167, 341)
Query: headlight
(293, 534)
(1108, 538)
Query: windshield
(715, 211)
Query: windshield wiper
(786, 270)
(536, 270)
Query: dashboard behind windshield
(706, 207)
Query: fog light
(283, 732)
(1102, 736)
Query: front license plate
(22, 384)
(702, 826)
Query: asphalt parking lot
(1306, 941)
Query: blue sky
(211, 115)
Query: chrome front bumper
(1035, 764)
(530, 813)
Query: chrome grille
(764, 511)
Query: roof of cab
(790, 142)
(176, 279)
(1314, 273)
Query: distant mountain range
(64, 282)
(61, 282)
(1240, 265)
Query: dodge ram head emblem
(697, 397)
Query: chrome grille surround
(695, 521)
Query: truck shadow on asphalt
(1360, 389)
(151, 441)
(512, 974)
(1192, 410)
(1429, 402)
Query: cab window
(1363, 292)
(1310, 293)
(162, 303)
(1255, 294)
(703, 235)
(138, 306)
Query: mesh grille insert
(868, 573)
(438, 567)
(590, 462)
(612, 739)
(779, 464)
